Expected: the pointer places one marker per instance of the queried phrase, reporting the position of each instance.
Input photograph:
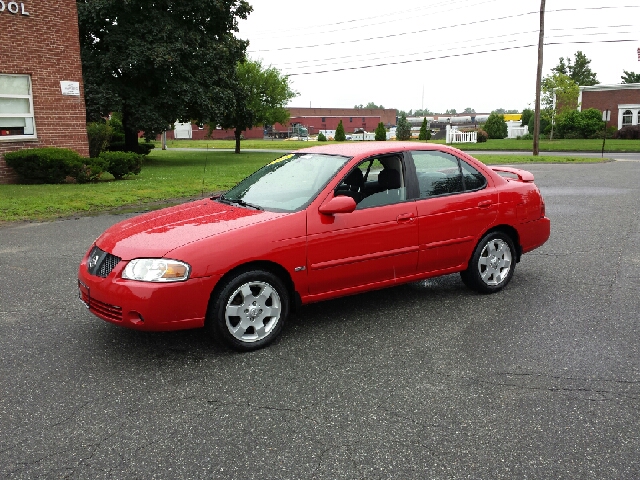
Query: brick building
(314, 119)
(623, 100)
(41, 90)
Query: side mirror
(339, 204)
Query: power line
(466, 46)
(403, 13)
(430, 12)
(510, 34)
(453, 55)
(475, 22)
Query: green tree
(630, 77)
(321, 137)
(495, 126)
(527, 113)
(451, 111)
(422, 112)
(425, 132)
(469, 110)
(340, 135)
(158, 62)
(381, 132)
(260, 97)
(559, 95)
(368, 105)
(561, 67)
(403, 129)
(578, 69)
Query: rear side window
(441, 173)
(438, 173)
(473, 179)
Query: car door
(377, 242)
(455, 207)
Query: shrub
(528, 136)
(403, 130)
(321, 137)
(574, 124)
(340, 135)
(545, 126)
(630, 132)
(121, 164)
(99, 135)
(482, 136)
(590, 122)
(495, 126)
(425, 133)
(91, 171)
(527, 114)
(142, 149)
(54, 165)
(381, 132)
(117, 130)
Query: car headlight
(156, 270)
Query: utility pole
(536, 121)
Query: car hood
(155, 234)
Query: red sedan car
(316, 224)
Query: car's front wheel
(249, 310)
(492, 263)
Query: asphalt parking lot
(541, 380)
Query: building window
(350, 119)
(627, 118)
(638, 122)
(16, 107)
(323, 119)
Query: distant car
(316, 224)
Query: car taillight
(542, 207)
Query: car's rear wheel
(492, 263)
(249, 310)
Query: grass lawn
(165, 177)
(589, 145)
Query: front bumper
(145, 305)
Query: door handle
(405, 217)
(485, 204)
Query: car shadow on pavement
(354, 312)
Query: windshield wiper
(237, 201)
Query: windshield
(288, 183)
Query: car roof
(356, 149)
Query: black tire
(492, 263)
(261, 302)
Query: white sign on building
(70, 88)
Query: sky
(440, 55)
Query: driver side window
(375, 182)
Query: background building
(313, 119)
(41, 91)
(622, 100)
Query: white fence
(366, 136)
(516, 131)
(456, 136)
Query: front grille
(111, 312)
(108, 264)
(101, 263)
